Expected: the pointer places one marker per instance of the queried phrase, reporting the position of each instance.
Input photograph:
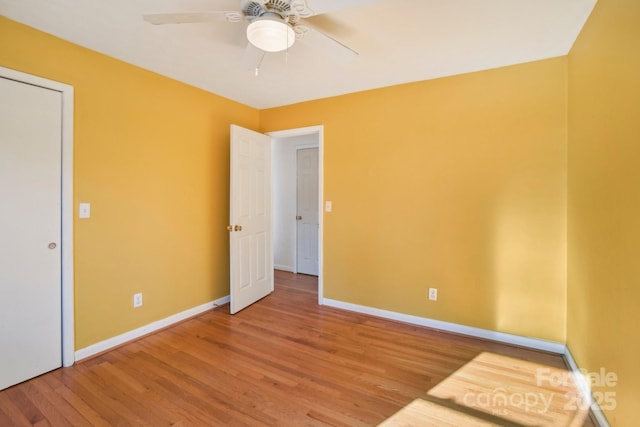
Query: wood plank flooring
(283, 361)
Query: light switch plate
(328, 206)
(84, 210)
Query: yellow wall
(152, 158)
(457, 183)
(604, 201)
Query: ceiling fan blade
(327, 37)
(327, 6)
(193, 17)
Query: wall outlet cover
(137, 300)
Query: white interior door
(307, 211)
(30, 231)
(251, 251)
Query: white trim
(68, 303)
(66, 183)
(118, 340)
(585, 390)
(534, 343)
(319, 129)
(306, 146)
(321, 217)
(284, 268)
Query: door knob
(229, 227)
(238, 228)
(52, 245)
(299, 218)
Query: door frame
(66, 186)
(319, 131)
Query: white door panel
(307, 208)
(30, 231)
(251, 257)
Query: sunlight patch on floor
(428, 414)
(492, 389)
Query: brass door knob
(238, 228)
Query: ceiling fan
(273, 25)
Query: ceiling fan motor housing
(255, 9)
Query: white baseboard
(110, 343)
(585, 390)
(284, 268)
(534, 343)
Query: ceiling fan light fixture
(271, 33)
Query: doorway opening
(288, 220)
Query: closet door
(30, 230)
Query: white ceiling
(398, 41)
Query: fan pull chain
(286, 54)
(259, 64)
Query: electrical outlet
(433, 294)
(137, 300)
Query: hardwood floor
(287, 361)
